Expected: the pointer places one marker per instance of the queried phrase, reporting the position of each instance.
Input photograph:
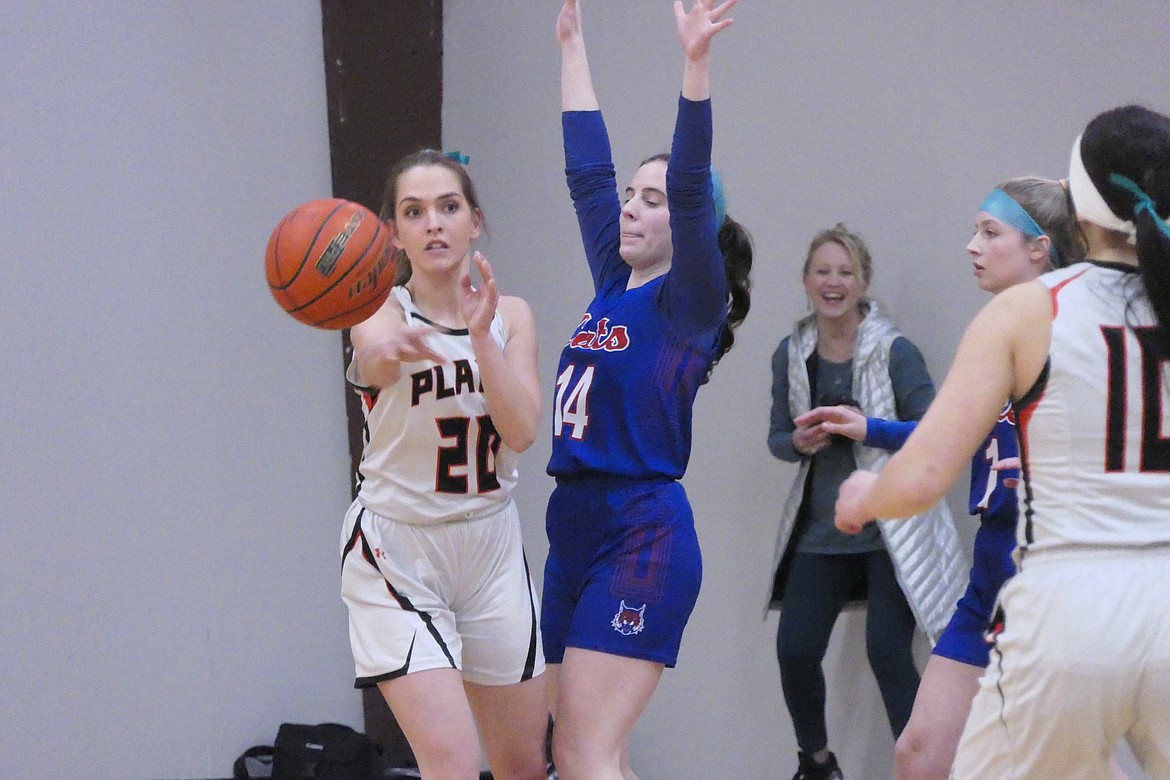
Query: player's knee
(577, 757)
(521, 764)
(448, 760)
(518, 771)
(564, 748)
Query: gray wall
(173, 465)
(172, 451)
(895, 117)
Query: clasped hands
(812, 434)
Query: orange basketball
(330, 263)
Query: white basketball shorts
(456, 595)
(1083, 661)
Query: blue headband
(458, 157)
(1004, 208)
(719, 197)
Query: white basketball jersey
(431, 452)
(1094, 437)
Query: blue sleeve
(887, 434)
(695, 292)
(593, 188)
(781, 427)
(913, 388)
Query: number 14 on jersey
(572, 406)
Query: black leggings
(817, 589)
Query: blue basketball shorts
(623, 569)
(992, 566)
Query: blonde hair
(853, 245)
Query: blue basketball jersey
(993, 493)
(628, 376)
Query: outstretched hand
(405, 345)
(478, 305)
(843, 420)
(697, 26)
(568, 22)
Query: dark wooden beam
(384, 85)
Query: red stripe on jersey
(1057, 288)
(1024, 416)
(369, 398)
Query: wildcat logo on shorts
(628, 620)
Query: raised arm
(696, 289)
(696, 28)
(576, 81)
(588, 158)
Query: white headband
(1088, 201)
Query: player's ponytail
(735, 243)
(1152, 236)
(1125, 155)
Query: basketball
(330, 263)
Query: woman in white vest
(847, 352)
